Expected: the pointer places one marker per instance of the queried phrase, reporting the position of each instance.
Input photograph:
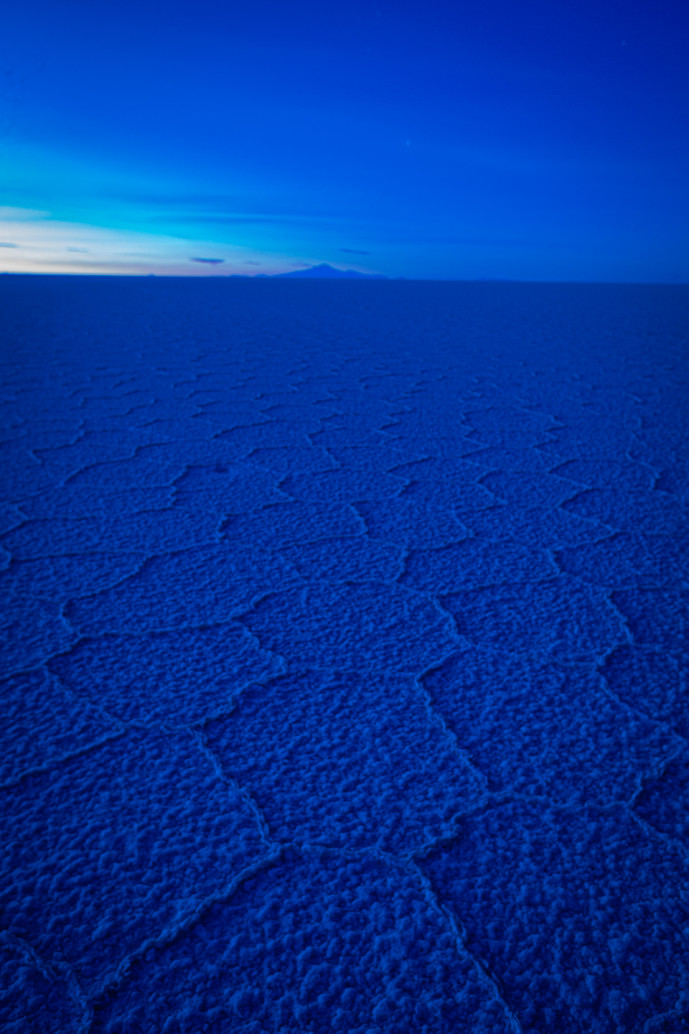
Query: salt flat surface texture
(345, 657)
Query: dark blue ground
(345, 657)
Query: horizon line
(376, 278)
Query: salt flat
(345, 649)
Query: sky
(431, 140)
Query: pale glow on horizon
(32, 242)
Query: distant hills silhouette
(324, 271)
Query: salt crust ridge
(346, 658)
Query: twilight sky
(540, 140)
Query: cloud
(221, 219)
(250, 262)
(6, 244)
(354, 251)
(230, 208)
(43, 244)
(160, 199)
(13, 214)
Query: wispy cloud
(176, 217)
(35, 243)
(201, 200)
(222, 219)
(354, 251)
(10, 213)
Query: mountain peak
(323, 271)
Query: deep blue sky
(540, 140)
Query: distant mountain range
(326, 272)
